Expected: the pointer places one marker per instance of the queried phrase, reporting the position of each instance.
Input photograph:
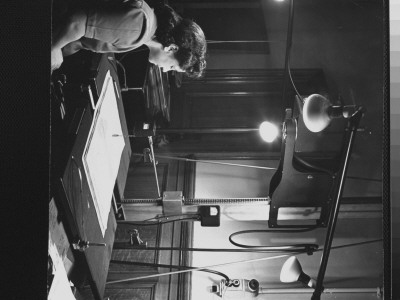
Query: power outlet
(237, 286)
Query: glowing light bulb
(268, 131)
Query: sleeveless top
(119, 28)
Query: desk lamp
(318, 112)
(292, 272)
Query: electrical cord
(288, 54)
(291, 79)
(301, 248)
(166, 217)
(352, 244)
(201, 268)
(170, 266)
(157, 223)
(292, 249)
(288, 50)
(232, 263)
(272, 249)
(161, 217)
(309, 248)
(295, 248)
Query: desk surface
(77, 198)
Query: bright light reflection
(268, 131)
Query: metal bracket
(172, 202)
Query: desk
(73, 190)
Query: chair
(304, 185)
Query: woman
(175, 43)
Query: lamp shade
(292, 272)
(318, 112)
(315, 112)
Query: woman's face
(165, 59)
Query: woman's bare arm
(71, 30)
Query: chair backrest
(307, 189)
(298, 186)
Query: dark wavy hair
(187, 35)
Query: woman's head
(186, 35)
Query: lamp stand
(353, 124)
